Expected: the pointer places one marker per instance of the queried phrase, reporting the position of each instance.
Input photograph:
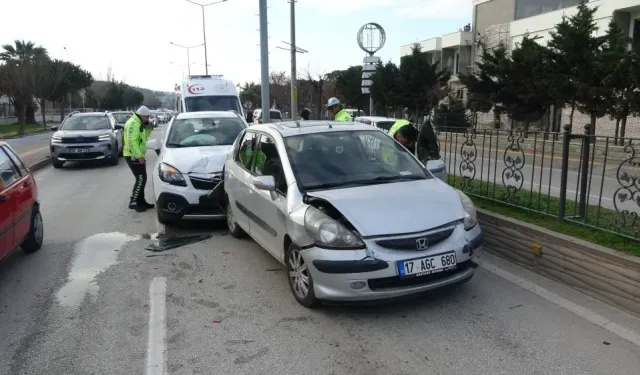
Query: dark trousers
(140, 173)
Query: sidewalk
(33, 150)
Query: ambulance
(208, 93)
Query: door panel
(9, 177)
(22, 194)
(268, 208)
(239, 182)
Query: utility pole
(294, 73)
(204, 30)
(264, 62)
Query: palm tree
(18, 55)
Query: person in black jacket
(305, 114)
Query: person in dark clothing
(305, 114)
(428, 145)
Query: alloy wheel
(298, 274)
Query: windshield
(100, 122)
(212, 103)
(204, 132)
(121, 118)
(385, 125)
(352, 158)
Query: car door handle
(26, 184)
(4, 197)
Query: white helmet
(143, 111)
(332, 102)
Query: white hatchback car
(190, 164)
(351, 213)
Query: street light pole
(188, 57)
(204, 31)
(264, 62)
(294, 80)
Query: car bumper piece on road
(354, 275)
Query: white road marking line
(587, 314)
(156, 347)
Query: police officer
(404, 132)
(136, 134)
(305, 114)
(339, 113)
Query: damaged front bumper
(372, 273)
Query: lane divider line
(156, 346)
(581, 311)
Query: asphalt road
(92, 301)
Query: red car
(20, 218)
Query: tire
(294, 262)
(33, 241)
(115, 159)
(56, 163)
(233, 227)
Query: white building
(507, 21)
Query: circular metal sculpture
(371, 38)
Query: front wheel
(56, 163)
(33, 241)
(300, 280)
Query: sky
(132, 37)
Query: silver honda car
(87, 137)
(350, 212)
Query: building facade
(508, 21)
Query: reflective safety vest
(245, 158)
(342, 115)
(135, 138)
(388, 155)
(396, 126)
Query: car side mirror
(54, 128)
(437, 168)
(118, 127)
(154, 145)
(267, 183)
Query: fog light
(357, 285)
(172, 206)
(466, 249)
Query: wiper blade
(372, 181)
(397, 178)
(175, 145)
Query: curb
(604, 274)
(40, 164)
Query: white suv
(188, 174)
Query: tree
(75, 79)
(317, 82)
(577, 67)
(488, 88)
(528, 99)
(114, 96)
(349, 86)
(131, 97)
(250, 92)
(623, 78)
(424, 86)
(451, 114)
(280, 90)
(49, 79)
(386, 88)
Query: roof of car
(376, 118)
(291, 128)
(89, 114)
(206, 114)
(116, 112)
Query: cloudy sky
(133, 36)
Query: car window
(245, 153)
(195, 132)
(212, 103)
(275, 115)
(350, 158)
(269, 163)
(8, 172)
(121, 118)
(385, 125)
(100, 122)
(21, 167)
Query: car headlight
(56, 139)
(171, 175)
(104, 138)
(328, 233)
(470, 215)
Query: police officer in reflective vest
(405, 133)
(339, 113)
(136, 133)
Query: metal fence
(573, 176)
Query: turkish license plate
(426, 266)
(79, 150)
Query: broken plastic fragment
(172, 242)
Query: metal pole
(264, 62)
(204, 35)
(188, 63)
(564, 171)
(370, 105)
(294, 82)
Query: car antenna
(330, 127)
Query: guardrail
(577, 177)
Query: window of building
(530, 8)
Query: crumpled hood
(392, 208)
(197, 160)
(81, 133)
